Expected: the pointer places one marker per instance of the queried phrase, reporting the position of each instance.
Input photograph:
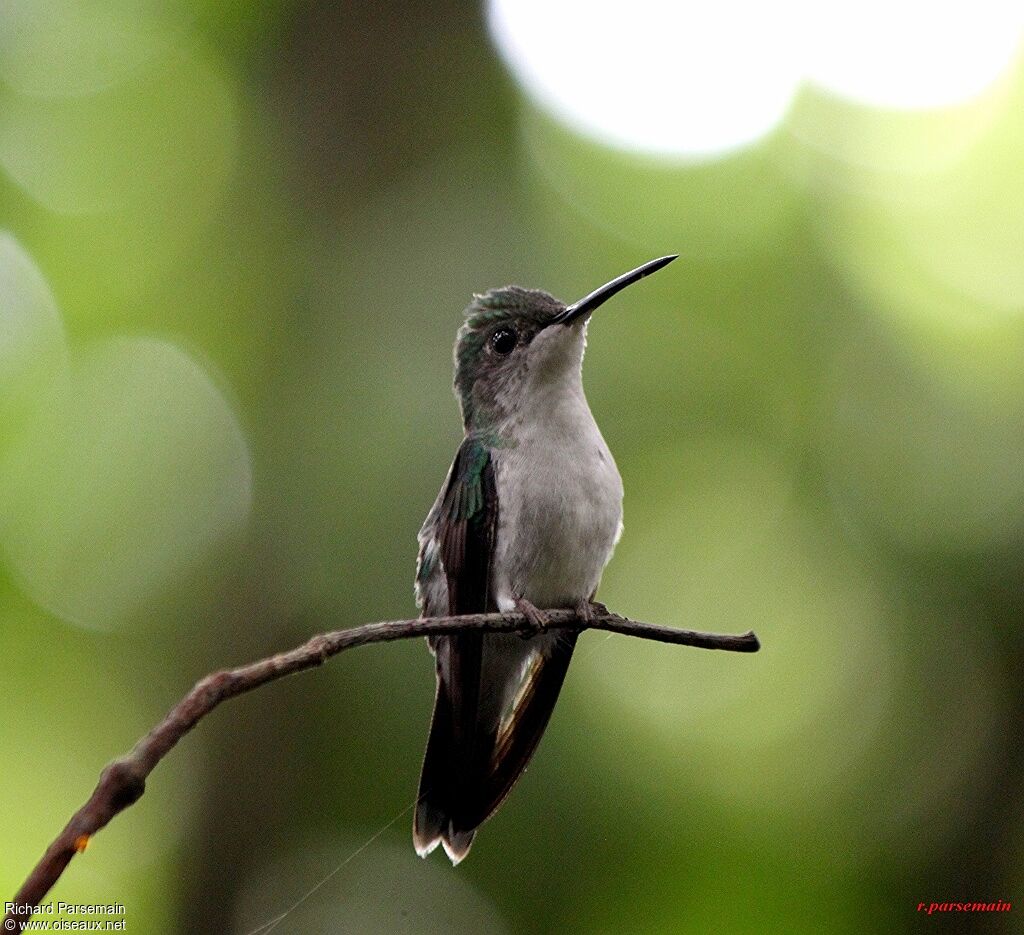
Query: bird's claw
(585, 612)
(538, 620)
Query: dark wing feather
(465, 529)
(461, 529)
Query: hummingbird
(527, 518)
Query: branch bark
(123, 781)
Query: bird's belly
(559, 516)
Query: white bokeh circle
(700, 80)
(668, 78)
(128, 475)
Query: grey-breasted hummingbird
(526, 519)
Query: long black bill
(599, 296)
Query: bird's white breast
(559, 505)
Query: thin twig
(123, 781)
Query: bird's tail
(489, 716)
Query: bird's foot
(585, 611)
(538, 620)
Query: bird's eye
(503, 341)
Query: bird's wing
(457, 538)
(453, 577)
(453, 574)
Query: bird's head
(519, 346)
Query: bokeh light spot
(31, 331)
(911, 53)
(159, 141)
(699, 80)
(660, 77)
(52, 48)
(125, 481)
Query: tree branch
(123, 781)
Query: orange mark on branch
(81, 843)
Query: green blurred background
(239, 240)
